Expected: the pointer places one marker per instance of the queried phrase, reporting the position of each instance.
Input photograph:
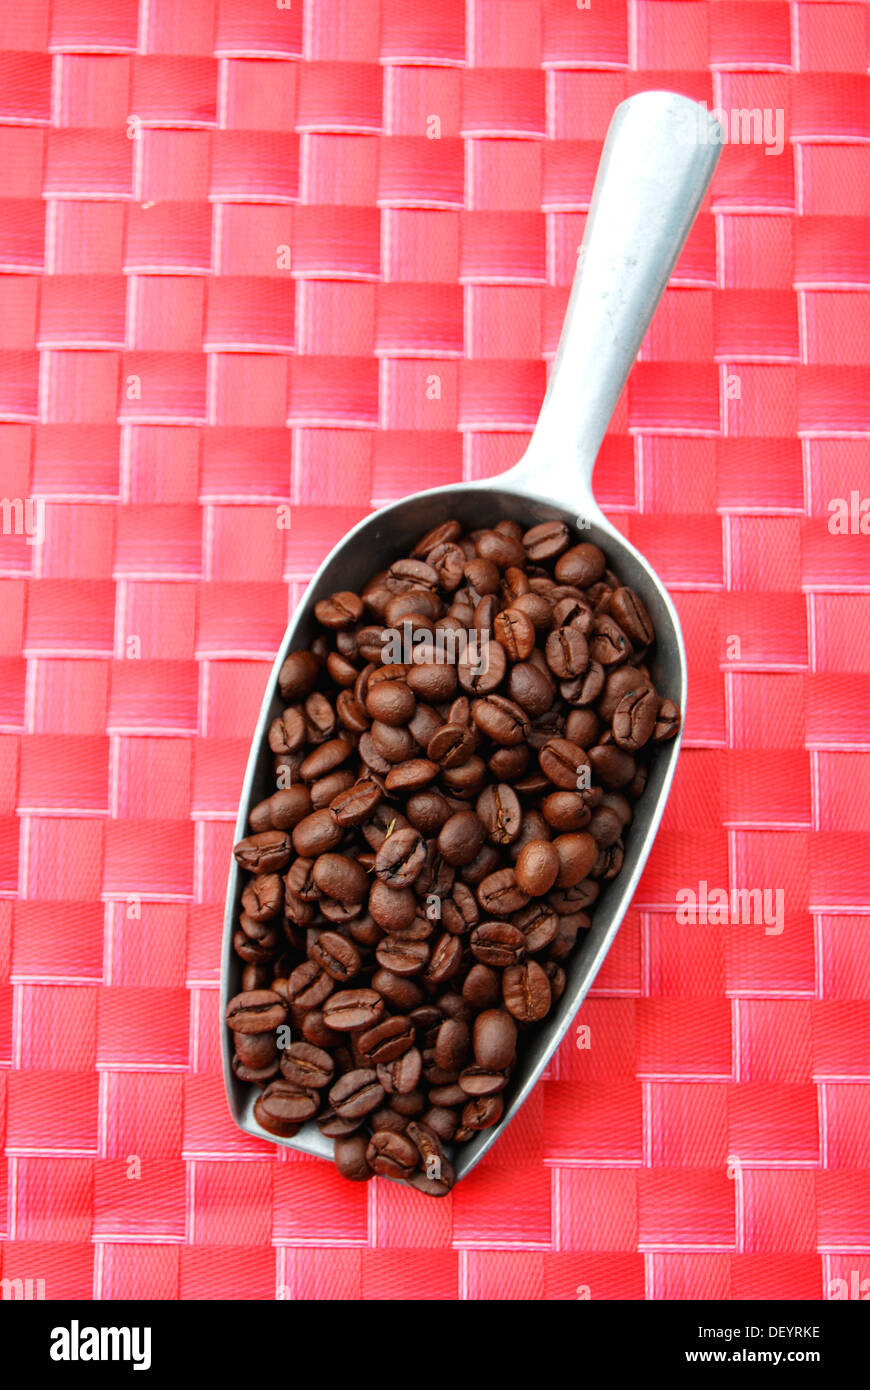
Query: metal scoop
(657, 163)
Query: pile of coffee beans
(455, 770)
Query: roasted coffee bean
(530, 688)
(392, 1155)
(481, 988)
(562, 762)
(565, 810)
(340, 877)
(539, 924)
(356, 1094)
(307, 1066)
(265, 853)
(495, 1036)
(352, 1009)
(667, 721)
(500, 719)
(452, 1044)
(402, 956)
(283, 1107)
(567, 653)
(355, 804)
(497, 944)
(460, 837)
(611, 765)
(399, 992)
(582, 565)
(386, 1040)
(400, 1076)
(526, 991)
(336, 955)
(257, 1011)
(256, 1050)
(630, 613)
(400, 858)
(316, 834)
(350, 1158)
(411, 776)
(481, 1113)
(498, 809)
(537, 867)
(308, 986)
(576, 854)
(451, 745)
(394, 909)
(263, 897)
(546, 541)
(391, 702)
(445, 960)
(608, 643)
(499, 893)
(427, 811)
(297, 675)
(482, 670)
(634, 719)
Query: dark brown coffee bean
(391, 702)
(402, 956)
(537, 867)
(565, 810)
(497, 944)
(460, 838)
(499, 892)
(316, 834)
(268, 852)
(352, 1009)
(629, 611)
(634, 719)
(530, 688)
(307, 1066)
(567, 653)
(498, 808)
(392, 1155)
(562, 761)
(482, 987)
(608, 644)
(355, 804)
(297, 675)
(432, 681)
(283, 1107)
(451, 745)
(394, 909)
(667, 721)
(350, 1158)
(356, 1094)
(539, 924)
(481, 1113)
(445, 960)
(516, 632)
(585, 689)
(342, 610)
(495, 1036)
(482, 670)
(500, 719)
(411, 776)
(441, 534)
(340, 877)
(386, 1040)
(427, 811)
(452, 1044)
(582, 565)
(400, 1076)
(308, 986)
(336, 955)
(401, 993)
(611, 765)
(482, 1081)
(400, 858)
(257, 1011)
(576, 855)
(263, 896)
(546, 541)
(526, 991)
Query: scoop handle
(657, 163)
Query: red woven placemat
(317, 256)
